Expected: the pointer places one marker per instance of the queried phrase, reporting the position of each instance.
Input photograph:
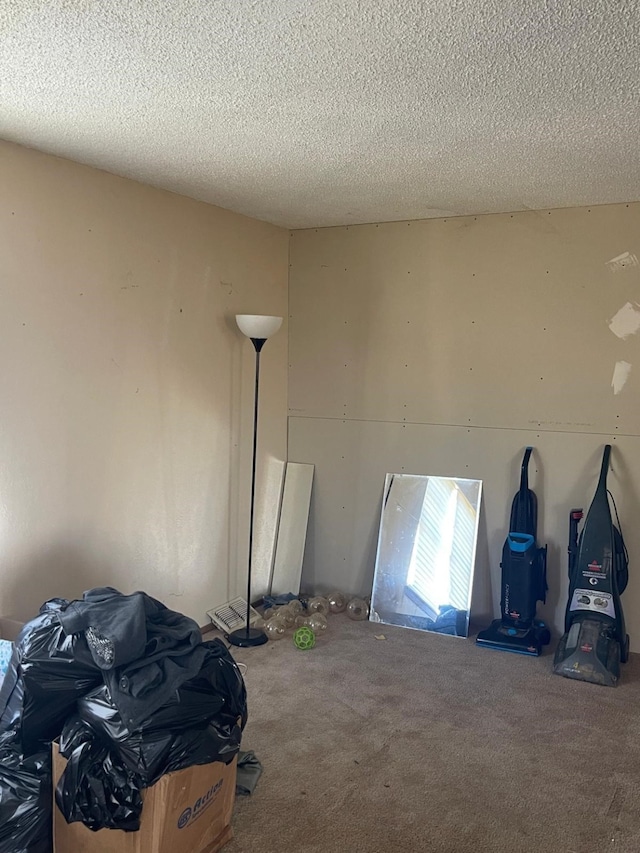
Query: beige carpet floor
(421, 742)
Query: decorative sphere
(274, 628)
(304, 638)
(357, 609)
(295, 605)
(318, 623)
(337, 602)
(318, 604)
(286, 615)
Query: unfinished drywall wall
(445, 347)
(127, 390)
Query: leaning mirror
(426, 553)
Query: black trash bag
(25, 801)
(47, 673)
(218, 689)
(217, 741)
(222, 673)
(151, 752)
(145, 651)
(95, 788)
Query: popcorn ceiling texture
(323, 112)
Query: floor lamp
(257, 327)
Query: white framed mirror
(426, 553)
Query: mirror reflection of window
(426, 553)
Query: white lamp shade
(258, 325)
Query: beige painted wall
(445, 347)
(126, 390)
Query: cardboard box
(184, 812)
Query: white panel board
(292, 529)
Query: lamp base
(247, 637)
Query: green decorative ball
(304, 638)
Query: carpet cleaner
(595, 640)
(524, 579)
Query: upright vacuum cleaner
(595, 642)
(524, 579)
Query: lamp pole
(257, 328)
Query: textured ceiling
(323, 112)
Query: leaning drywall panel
(292, 529)
(351, 459)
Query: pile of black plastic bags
(129, 691)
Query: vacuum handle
(602, 482)
(574, 519)
(524, 471)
